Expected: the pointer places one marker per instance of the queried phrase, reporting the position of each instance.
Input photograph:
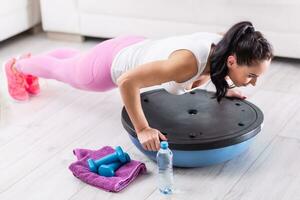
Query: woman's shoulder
(184, 56)
(187, 62)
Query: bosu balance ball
(200, 130)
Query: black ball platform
(200, 131)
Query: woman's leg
(89, 70)
(44, 65)
(50, 67)
(72, 67)
(63, 53)
(47, 59)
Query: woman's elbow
(126, 81)
(122, 80)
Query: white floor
(37, 138)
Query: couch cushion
(220, 13)
(20, 19)
(154, 9)
(7, 7)
(60, 15)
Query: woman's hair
(249, 47)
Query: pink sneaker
(33, 86)
(15, 81)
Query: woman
(132, 62)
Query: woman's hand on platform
(149, 138)
(235, 93)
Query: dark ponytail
(249, 46)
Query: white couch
(277, 19)
(17, 16)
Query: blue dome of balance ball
(200, 130)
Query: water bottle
(164, 159)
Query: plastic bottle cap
(164, 145)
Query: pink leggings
(84, 70)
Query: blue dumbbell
(108, 170)
(118, 155)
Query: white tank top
(160, 49)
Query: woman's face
(243, 75)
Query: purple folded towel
(124, 175)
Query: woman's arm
(179, 67)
